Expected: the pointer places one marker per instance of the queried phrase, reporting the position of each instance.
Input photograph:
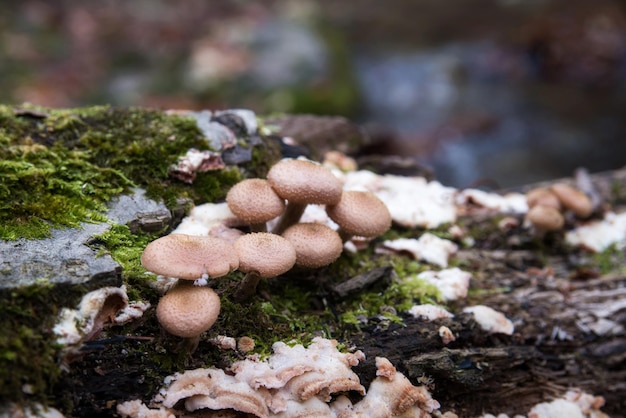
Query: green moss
(611, 260)
(28, 351)
(61, 167)
(126, 248)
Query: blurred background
(504, 92)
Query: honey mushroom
(302, 182)
(573, 199)
(545, 219)
(187, 310)
(316, 245)
(261, 255)
(189, 257)
(255, 202)
(360, 214)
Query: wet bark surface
(569, 318)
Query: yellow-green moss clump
(61, 167)
(28, 351)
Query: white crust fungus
(96, 308)
(509, 203)
(392, 394)
(490, 320)
(429, 312)
(412, 201)
(137, 409)
(446, 334)
(452, 283)
(292, 382)
(599, 235)
(428, 247)
(213, 389)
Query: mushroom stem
(293, 213)
(345, 236)
(258, 227)
(190, 344)
(247, 287)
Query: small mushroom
(545, 219)
(255, 202)
(360, 213)
(261, 255)
(573, 199)
(544, 197)
(302, 182)
(316, 245)
(189, 257)
(187, 311)
(245, 344)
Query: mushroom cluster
(292, 185)
(187, 310)
(547, 207)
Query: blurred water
(474, 111)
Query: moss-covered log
(64, 168)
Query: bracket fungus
(261, 255)
(189, 257)
(360, 213)
(316, 245)
(292, 382)
(302, 182)
(255, 202)
(392, 394)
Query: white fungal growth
(490, 320)
(412, 201)
(131, 312)
(95, 309)
(510, 203)
(599, 235)
(292, 382)
(574, 404)
(428, 247)
(429, 312)
(446, 334)
(452, 283)
(206, 215)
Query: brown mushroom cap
(189, 256)
(573, 199)
(187, 311)
(544, 197)
(267, 254)
(254, 201)
(545, 218)
(316, 245)
(361, 214)
(302, 181)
